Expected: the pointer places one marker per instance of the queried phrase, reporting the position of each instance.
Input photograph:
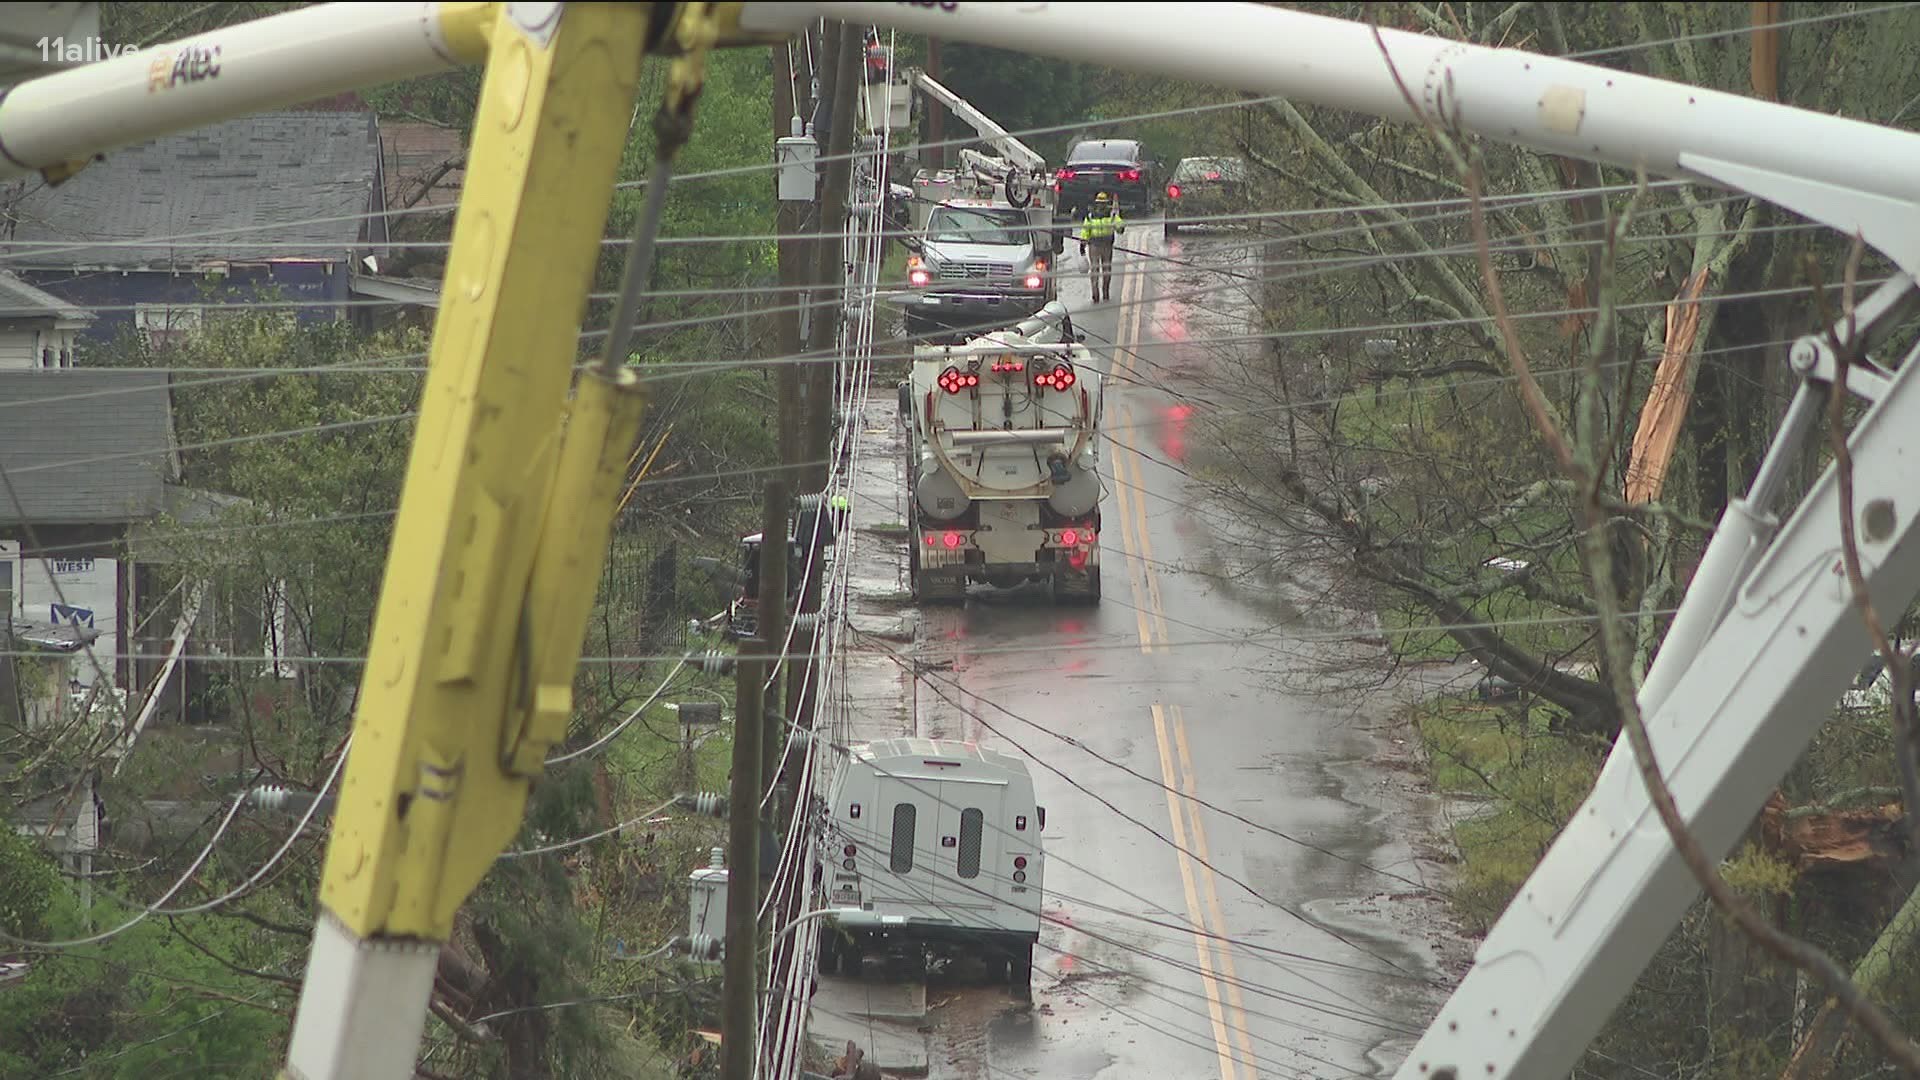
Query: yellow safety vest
(1102, 228)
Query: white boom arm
(1767, 636)
(996, 136)
(49, 123)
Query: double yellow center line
(1225, 1005)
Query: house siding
(113, 294)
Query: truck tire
(1020, 971)
(829, 951)
(1080, 589)
(906, 402)
(1170, 230)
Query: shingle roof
(19, 300)
(84, 446)
(415, 154)
(246, 190)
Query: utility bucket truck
(932, 847)
(1003, 462)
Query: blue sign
(77, 616)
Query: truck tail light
(1070, 537)
(1131, 176)
(953, 380)
(1059, 378)
(1035, 281)
(1064, 174)
(1019, 862)
(1173, 191)
(917, 277)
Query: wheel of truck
(1020, 971)
(829, 951)
(1059, 242)
(1092, 596)
(906, 401)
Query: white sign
(65, 590)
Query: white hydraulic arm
(996, 136)
(1767, 636)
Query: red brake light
(1130, 175)
(952, 540)
(929, 539)
(953, 380)
(1173, 191)
(1019, 862)
(1069, 537)
(1064, 174)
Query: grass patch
(1528, 780)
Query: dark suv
(1120, 166)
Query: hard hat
(1102, 197)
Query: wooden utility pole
(842, 65)
(936, 112)
(773, 621)
(739, 1015)
(792, 255)
(1766, 49)
(830, 272)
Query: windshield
(954, 225)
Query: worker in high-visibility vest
(1097, 232)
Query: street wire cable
(559, 759)
(1127, 642)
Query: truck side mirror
(1042, 813)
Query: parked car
(1205, 187)
(1120, 166)
(981, 264)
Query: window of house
(164, 323)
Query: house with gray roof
(88, 454)
(37, 328)
(278, 206)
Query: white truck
(1003, 463)
(932, 847)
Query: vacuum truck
(1003, 462)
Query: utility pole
(739, 1016)
(792, 255)
(936, 112)
(772, 617)
(831, 273)
(842, 65)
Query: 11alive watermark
(92, 50)
(171, 66)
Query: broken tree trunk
(1813, 1059)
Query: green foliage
(29, 883)
(146, 1004)
(1526, 783)
(1760, 874)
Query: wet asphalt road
(1183, 941)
